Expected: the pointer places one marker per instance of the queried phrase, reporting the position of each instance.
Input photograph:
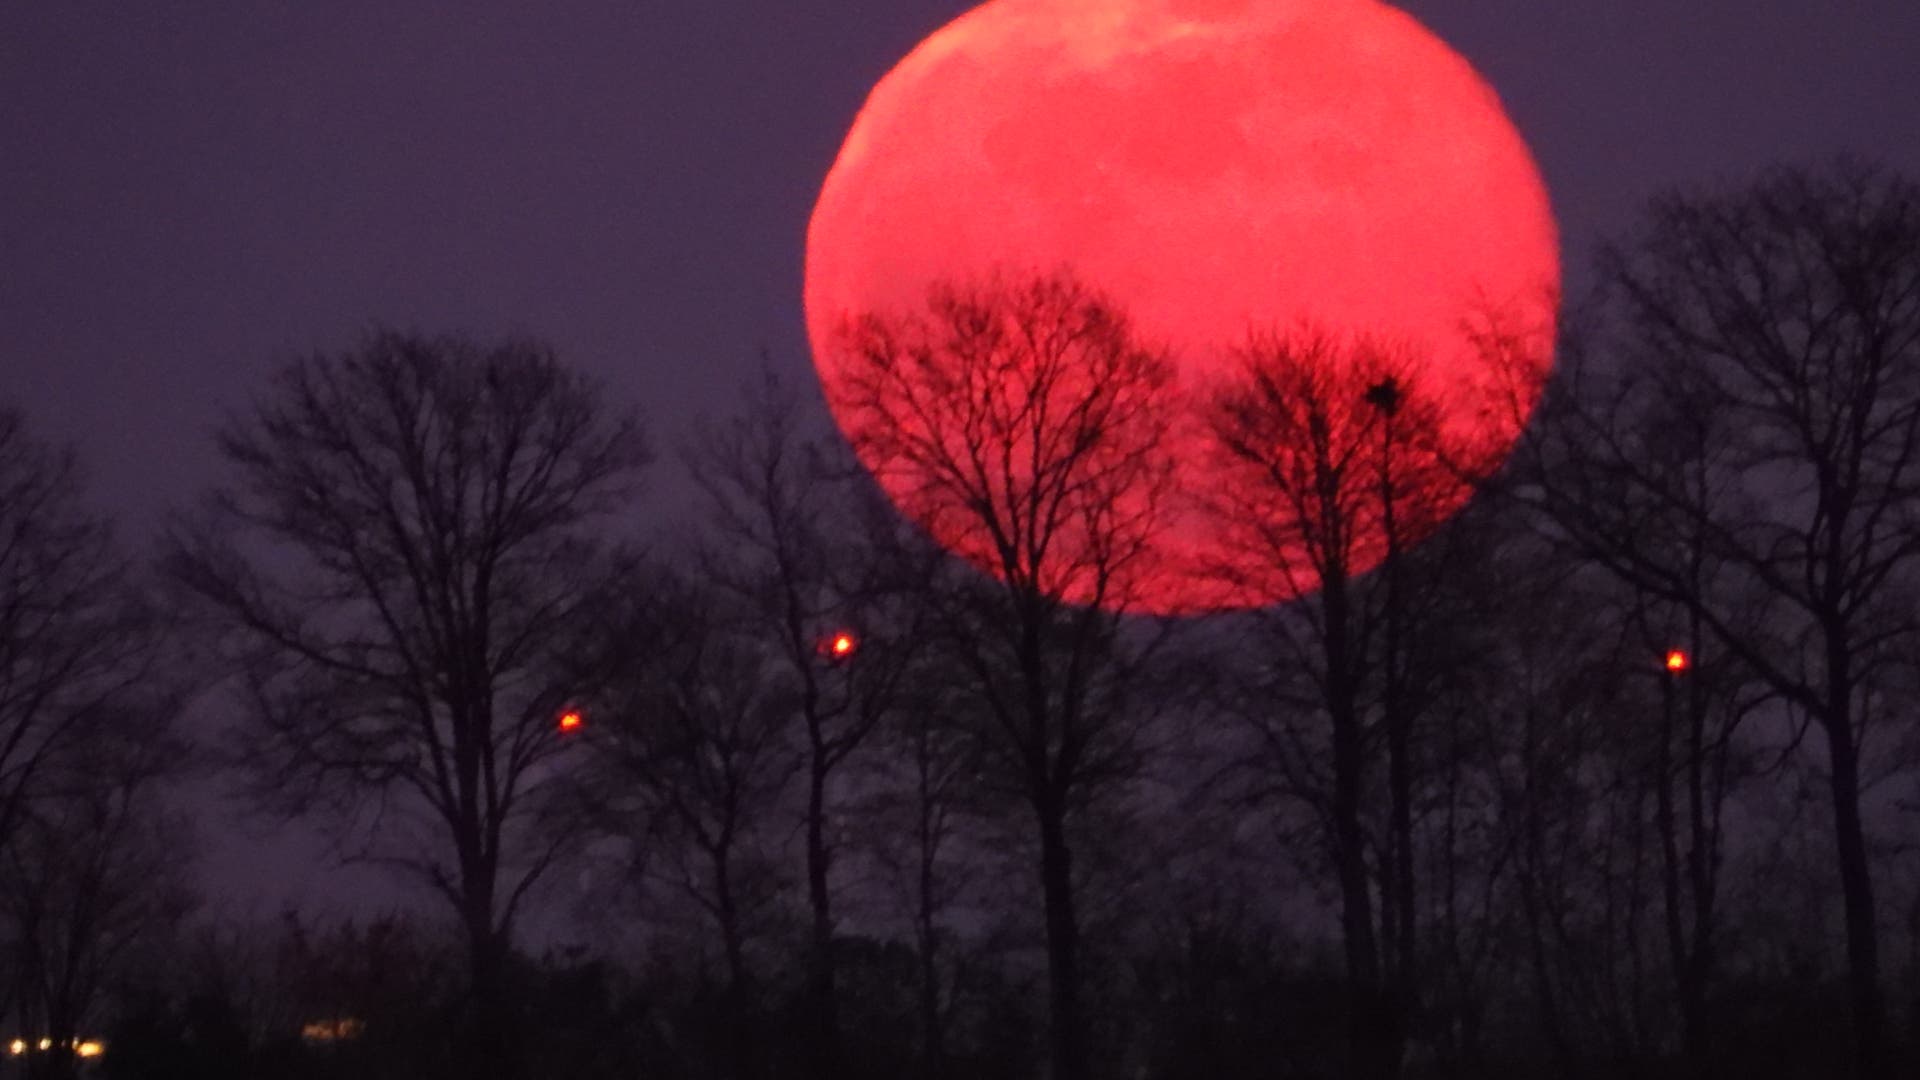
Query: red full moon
(1212, 167)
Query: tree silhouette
(96, 867)
(401, 559)
(692, 753)
(804, 564)
(77, 642)
(1023, 424)
(1782, 322)
(1339, 458)
(924, 794)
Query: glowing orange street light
(841, 645)
(1677, 662)
(572, 720)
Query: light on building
(331, 1030)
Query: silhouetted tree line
(1597, 759)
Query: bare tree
(693, 758)
(75, 640)
(1024, 424)
(1563, 760)
(82, 661)
(1706, 696)
(1783, 321)
(96, 865)
(807, 566)
(402, 556)
(925, 792)
(1341, 457)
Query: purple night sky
(190, 192)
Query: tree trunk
(1688, 991)
(1702, 875)
(1398, 988)
(933, 1050)
(1366, 1006)
(822, 1003)
(1066, 1035)
(1856, 888)
(739, 1054)
(1533, 901)
(492, 1048)
(492, 1043)
(1369, 1029)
